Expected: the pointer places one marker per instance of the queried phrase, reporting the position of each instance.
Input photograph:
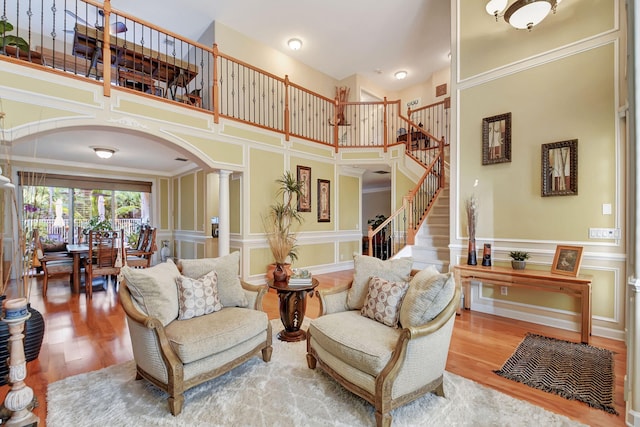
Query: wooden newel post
(20, 395)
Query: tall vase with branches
(471, 206)
(280, 222)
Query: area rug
(574, 371)
(283, 392)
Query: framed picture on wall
(324, 200)
(560, 168)
(496, 139)
(567, 260)
(304, 178)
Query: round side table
(293, 304)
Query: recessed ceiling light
(399, 75)
(294, 44)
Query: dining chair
(106, 249)
(52, 264)
(141, 256)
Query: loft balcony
(87, 40)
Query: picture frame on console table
(324, 200)
(567, 260)
(496, 139)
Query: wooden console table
(531, 279)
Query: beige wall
(560, 82)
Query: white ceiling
(341, 38)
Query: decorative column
(20, 395)
(223, 230)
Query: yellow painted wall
(187, 202)
(266, 167)
(348, 203)
(562, 107)
(200, 202)
(403, 184)
(163, 202)
(235, 212)
(558, 84)
(347, 249)
(486, 44)
(319, 170)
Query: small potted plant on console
(519, 259)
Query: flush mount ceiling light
(399, 75)
(294, 44)
(104, 153)
(522, 14)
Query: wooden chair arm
(154, 324)
(261, 291)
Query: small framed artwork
(304, 178)
(560, 168)
(496, 139)
(324, 200)
(567, 260)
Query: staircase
(432, 241)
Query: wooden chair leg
(45, 284)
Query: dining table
(77, 251)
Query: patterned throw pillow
(227, 267)
(197, 297)
(383, 301)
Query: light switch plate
(604, 233)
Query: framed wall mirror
(560, 168)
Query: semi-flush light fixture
(294, 44)
(522, 14)
(399, 75)
(104, 153)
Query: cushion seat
(59, 266)
(193, 339)
(354, 344)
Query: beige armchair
(386, 366)
(177, 354)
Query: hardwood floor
(83, 337)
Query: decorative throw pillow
(227, 267)
(427, 296)
(366, 267)
(197, 297)
(383, 301)
(154, 289)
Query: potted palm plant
(519, 259)
(11, 40)
(280, 222)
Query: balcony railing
(72, 38)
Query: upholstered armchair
(385, 336)
(185, 329)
